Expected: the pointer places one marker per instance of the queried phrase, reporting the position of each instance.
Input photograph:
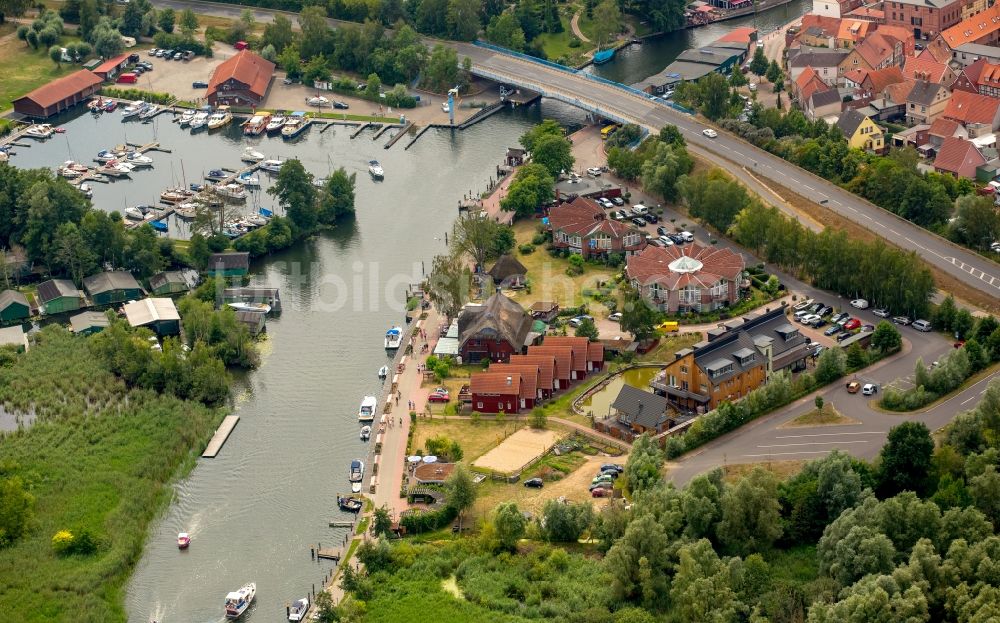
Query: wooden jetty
(341, 524)
(361, 128)
(402, 132)
(329, 553)
(220, 436)
(421, 133)
(385, 127)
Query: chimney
(509, 380)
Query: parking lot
(176, 77)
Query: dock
(220, 436)
(329, 554)
(419, 134)
(341, 524)
(402, 132)
(385, 127)
(361, 128)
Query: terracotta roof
(881, 78)
(595, 351)
(546, 367)
(825, 23)
(578, 344)
(584, 218)
(942, 127)
(876, 49)
(856, 76)
(863, 11)
(924, 68)
(899, 92)
(966, 107)
(739, 35)
(985, 73)
(529, 376)
(653, 266)
(498, 315)
(60, 89)
(937, 51)
(974, 28)
(246, 67)
(110, 64)
(495, 383)
(957, 154)
(563, 355)
(853, 29)
(898, 33)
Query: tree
(774, 74)
(549, 127)
(751, 514)
(268, 53)
(564, 522)
(701, 589)
(638, 562)
(587, 329)
(88, 18)
(625, 163)
(886, 337)
(538, 418)
(642, 470)
(638, 317)
(714, 95)
(55, 53)
(463, 19)
(759, 64)
(664, 165)
(532, 187)
(504, 30)
(166, 20)
(905, 459)
(449, 283)
(963, 323)
(977, 223)
(278, 33)
(336, 201)
(441, 71)
(32, 39)
(22, 33)
(713, 197)
(508, 524)
(856, 358)
(16, 510)
(700, 505)
(48, 36)
(72, 253)
(831, 365)
(295, 192)
(554, 153)
(737, 79)
(381, 522)
(315, 31)
(461, 490)
(107, 40)
(475, 236)
(607, 21)
(189, 22)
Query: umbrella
(430, 459)
(413, 459)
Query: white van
(639, 209)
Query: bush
(526, 249)
(138, 94)
(427, 521)
(539, 239)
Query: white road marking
(813, 443)
(772, 454)
(870, 432)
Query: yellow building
(860, 131)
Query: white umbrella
(430, 459)
(413, 459)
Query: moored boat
(366, 412)
(349, 504)
(138, 160)
(272, 165)
(251, 155)
(134, 213)
(257, 307)
(237, 602)
(133, 109)
(186, 117)
(276, 123)
(383, 372)
(256, 124)
(183, 540)
(110, 106)
(40, 131)
(248, 179)
(200, 120)
(296, 124)
(231, 191)
(375, 169)
(149, 112)
(357, 471)
(393, 337)
(299, 609)
(87, 191)
(603, 56)
(366, 433)
(220, 118)
(175, 195)
(107, 155)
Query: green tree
(751, 514)
(268, 53)
(296, 194)
(701, 505)
(463, 19)
(504, 30)
(565, 522)
(638, 317)
(664, 165)
(642, 470)
(16, 510)
(71, 253)
(189, 22)
(831, 365)
(47, 37)
(977, 222)
(714, 96)
(22, 33)
(905, 459)
(381, 522)
(856, 358)
(508, 523)
(713, 197)
(963, 323)
(759, 64)
(737, 79)
(461, 490)
(701, 589)
(638, 563)
(441, 72)
(625, 163)
(278, 33)
(886, 337)
(315, 33)
(607, 21)
(532, 187)
(55, 53)
(107, 40)
(554, 153)
(198, 251)
(774, 74)
(985, 490)
(336, 200)
(538, 418)
(549, 127)
(449, 283)
(289, 61)
(587, 329)
(476, 236)
(166, 20)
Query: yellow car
(670, 326)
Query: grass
(336, 116)
(827, 416)
(99, 458)
(362, 526)
(26, 69)
(475, 438)
(781, 469)
(798, 565)
(668, 346)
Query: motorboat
(175, 195)
(115, 168)
(349, 504)
(133, 109)
(110, 105)
(393, 338)
(318, 101)
(366, 412)
(357, 472)
(186, 117)
(149, 112)
(232, 191)
(183, 540)
(276, 123)
(138, 160)
(237, 602)
(366, 433)
(248, 179)
(375, 169)
(296, 124)
(257, 124)
(355, 487)
(299, 610)
(383, 372)
(257, 220)
(107, 155)
(216, 175)
(200, 120)
(196, 187)
(70, 169)
(96, 105)
(40, 131)
(220, 118)
(134, 213)
(87, 191)
(272, 165)
(251, 155)
(254, 307)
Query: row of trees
(659, 162)
(534, 183)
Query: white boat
(40, 131)
(107, 155)
(249, 179)
(383, 372)
(357, 472)
(232, 191)
(70, 169)
(134, 213)
(393, 337)
(275, 124)
(355, 487)
(220, 118)
(133, 109)
(271, 165)
(296, 124)
(149, 111)
(138, 160)
(366, 433)
(87, 191)
(299, 610)
(366, 412)
(237, 602)
(186, 117)
(199, 120)
(256, 124)
(258, 307)
(116, 169)
(251, 155)
(375, 169)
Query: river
(637, 62)
(255, 509)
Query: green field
(25, 69)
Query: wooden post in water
(312, 554)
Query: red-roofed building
(983, 28)
(581, 360)
(243, 80)
(691, 278)
(968, 108)
(937, 50)
(871, 84)
(868, 14)
(109, 69)
(875, 52)
(903, 35)
(943, 129)
(493, 392)
(492, 331)
(530, 392)
(808, 83)
(743, 34)
(58, 95)
(959, 157)
(546, 365)
(924, 67)
(924, 18)
(564, 362)
(582, 227)
(988, 81)
(853, 32)
(968, 79)
(595, 356)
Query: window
(672, 380)
(690, 294)
(684, 369)
(703, 387)
(479, 405)
(720, 289)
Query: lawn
(26, 69)
(827, 416)
(668, 346)
(781, 469)
(475, 438)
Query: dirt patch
(573, 488)
(475, 439)
(781, 469)
(827, 416)
(518, 450)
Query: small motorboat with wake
(366, 412)
(183, 540)
(299, 610)
(383, 372)
(349, 504)
(366, 433)
(375, 169)
(237, 602)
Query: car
(903, 320)
(594, 171)
(147, 65)
(881, 312)
(859, 303)
(439, 395)
(922, 325)
(601, 485)
(160, 53)
(178, 56)
(819, 350)
(832, 330)
(809, 318)
(138, 70)
(844, 336)
(615, 317)
(815, 307)
(853, 387)
(816, 321)
(168, 54)
(340, 105)
(870, 389)
(612, 466)
(603, 477)
(839, 317)
(651, 218)
(666, 241)
(152, 51)
(620, 215)
(687, 236)
(852, 324)
(605, 202)
(662, 231)
(199, 84)
(639, 209)
(799, 315)
(753, 87)
(825, 310)
(802, 305)
(677, 238)
(618, 201)
(576, 321)
(812, 345)
(843, 321)
(867, 328)
(600, 492)
(710, 133)
(534, 483)
(638, 221)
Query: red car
(439, 395)
(852, 324)
(600, 493)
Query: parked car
(602, 485)
(612, 466)
(802, 305)
(799, 315)
(843, 321)
(639, 209)
(819, 350)
(870, 389)
(576, 321)
(662, 231)
(844, 336)
(439, 395)
(839, 317)
(619, 215)
(852, 324)
(615, 317)
(618, 201)
(859, 303)
(823, 311)
(651, 218)
(687, 236)
(160, 53)
(809, 319)
(199, 84)
(853, 387)
(881, 312)
(903, 320)
(340, 105)
(638, 221)
(153, 51)
(600, 492)
(665, 241)
(178, 56)
(710, 133)
(603, 477)
(594, 171)
(816, 321)
(605, 202)
(922, 325)
(534, 483)
(677, 238)
(832, 330)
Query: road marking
(870, 432)
(969, 399)
(808, 186)
(788, 453)
(813, 443)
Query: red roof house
(968, 78)
(564, 362)
(58, 95)
(493, 392)
(492, 331)
(924, 67)
(581, 364)
(808, 83)
(582, 226)
(242, 80)
(112, 67)
(959, 157)
(981, 28)
(966, 108)
(689, 278)
(546, 364)
(529, 394)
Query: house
(59, 95)
(531, 393)
(868, 14)
(972, 108)
(925, 18)
(821, 33)
(902, 35)
(876, 52)
(872, 84)
(860, 131)
(853, 32)
(834, 8)
(595, 356)
(14, 336)
(507, 272)
(546, 311)
(897, 94)
(914, 136)
(495, 392)
(826, 64)
(983, 29)
(89, 322)
(268, 296)
(823, 104)
(243, 80)
(112, 287)
(492, 331)
(924, 67)
(229, 264)
(925, 102)
(808, 83)
(968, 53)
(14, 307)
(988, 80)
(944, 128)
(640, 411)
(959, 157)
(547, 383)
(253, 319)
(582, 227)
(158, 314)
(968, 78)
(563, 356)
(57, 296)
(737, 359)
(515, 157)
(109, 69)
(168, 282)
(585, 358)
(938, 51)
(686, 279)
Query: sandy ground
(175, 77)
(518, 450)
